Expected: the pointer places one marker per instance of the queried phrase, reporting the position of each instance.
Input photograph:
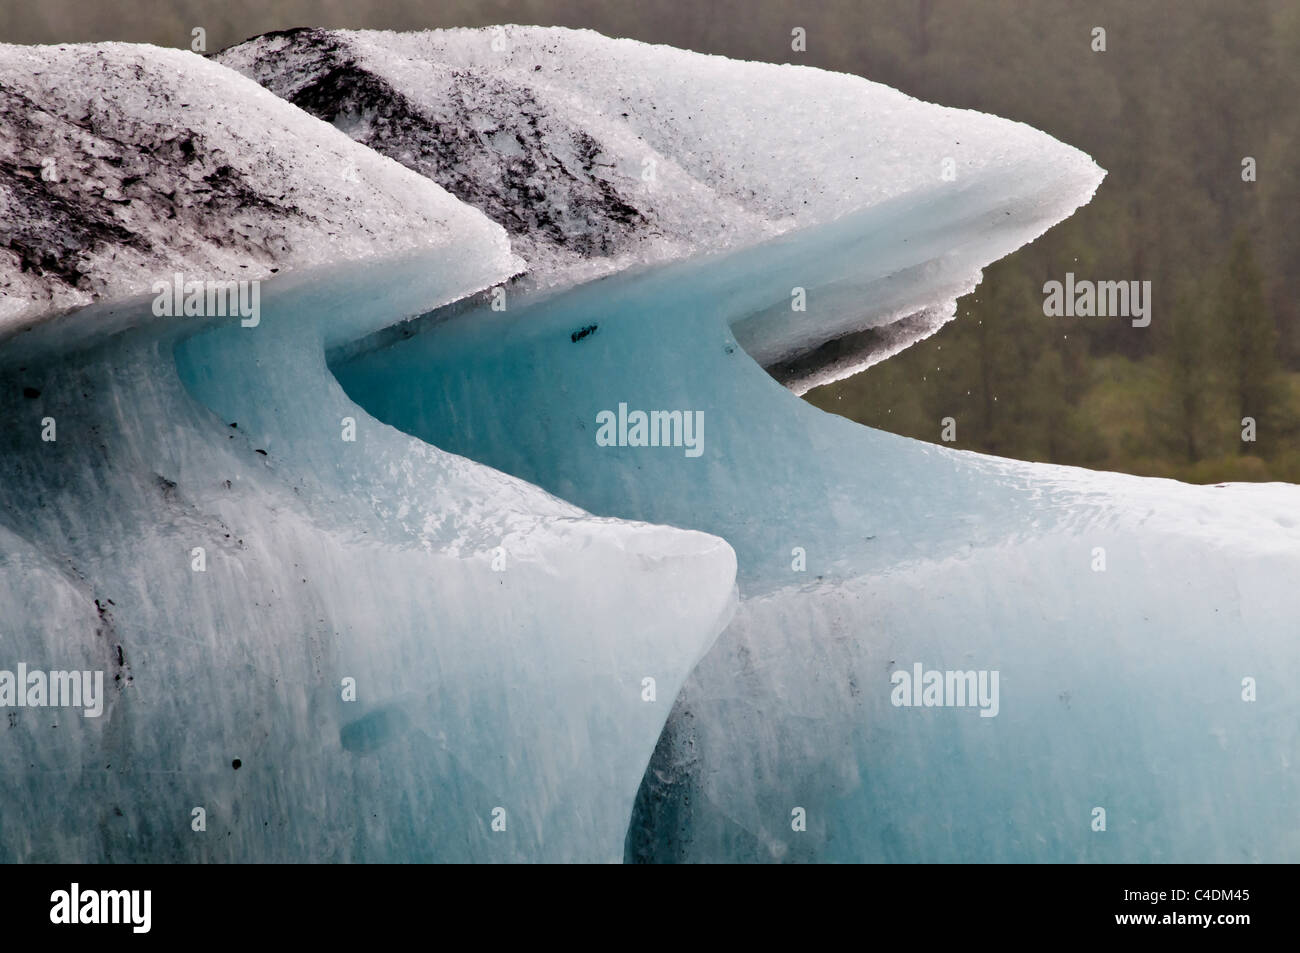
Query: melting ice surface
(1120, 690)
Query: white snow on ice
(599, 154)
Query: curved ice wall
(381, 651)
(1122, 616)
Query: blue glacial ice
(515, 686)
(1120, 689)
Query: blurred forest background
(1184, 91)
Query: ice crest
(601, 154)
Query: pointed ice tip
(686, 153)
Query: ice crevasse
(857, 554)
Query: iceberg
(560, 569)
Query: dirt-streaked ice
(123, 164)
